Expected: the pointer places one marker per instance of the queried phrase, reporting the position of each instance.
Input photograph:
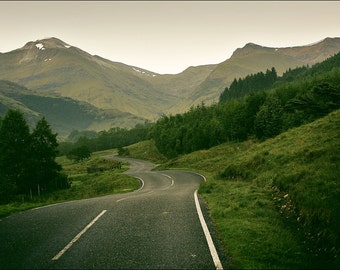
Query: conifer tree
(268, 121)
(14, 153)
(44, 151)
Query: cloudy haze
(168, 37)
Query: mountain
(52, 66)
(128, 94)
(253, 58)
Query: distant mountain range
(106, 94)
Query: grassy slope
(275, 203)
(144, 150)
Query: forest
(27, 160)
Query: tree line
(260, 114)
(113, 138)
(27, 159)
(253, 82)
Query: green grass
(145, 150)
(275, 204)
(108, 179)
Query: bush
(79, 153)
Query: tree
(268, 121)
(317, 102)
(14, 152)
(45, 169)
(253, 103)
(251, 83)
(27, 161)
(80, 153)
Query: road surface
(156, 227)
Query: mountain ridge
(253, 58)
(53, 67)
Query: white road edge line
(122, 199)
(211, 245)
(166, 175)
(172, 180)
(56, 257)
(140, 179)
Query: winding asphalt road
(156, 227)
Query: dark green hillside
(64, 114)
(261, 81)
(7, 89)
(276, 203)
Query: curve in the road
(210, 242)
(156, 227)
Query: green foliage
(75, 135)
(322, 99)
(113, 138)
(185, 133)
(275, 203)
(123, 152)
(146, 150)
(251, 83)
(78, 154)
(103, 165)
(46, 173)
(27, 161)
(268, 121)
(108, 179)
(15, 154)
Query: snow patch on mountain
(143, 72)
(40, 46)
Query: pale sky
(168, 36)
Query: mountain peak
(41, 44)
(247, 49)
(252, 45)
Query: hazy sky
(168, 37)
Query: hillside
(182, 85)
(63, 114)
(52, 66)
(280, 195)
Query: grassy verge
(144, 150)
(275, 204)
(90, 178)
